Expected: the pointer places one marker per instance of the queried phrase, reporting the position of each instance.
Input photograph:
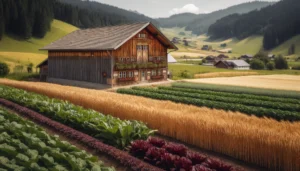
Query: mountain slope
(108, 10)
(13, 51)
(178, 20)
(201, 24)
(277, 23)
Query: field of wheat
(280, 82)
(224, 74)
(265, 142)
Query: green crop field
(22, 52)
(178, 69)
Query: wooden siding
(89, 69)
(129, 49)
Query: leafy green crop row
(25, 146)
(238, 89)
(234, 95)
(248, 102)
(258, 111)
(111, 130)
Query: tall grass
(224, 74)
(265, 142)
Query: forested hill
(201, 24)
(178, 20)
(277, 23)
(32, 18)
(118, 14)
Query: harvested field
(265, 142)
(283, 82)
(224, 74)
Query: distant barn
(124, 54)
(233, 64)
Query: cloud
(191, 8)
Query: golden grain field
(265, 142)
(224, 74)
(283, 82)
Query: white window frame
(159, 72)
(153, 72)
(130, 74)
(142, 35)
(124, 74)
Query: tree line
(32, 18)
(277, 23)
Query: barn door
(139, 52)
(145, 53)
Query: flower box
(126, 79)
(157, 77)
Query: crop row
(234, 95)
(111, 130)
(172, 156)
(23, 145)
(121, 156)
(248, 102)
(239, 89)
(258, 111)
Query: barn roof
(232, 63)
(171, 59)
(105, 38)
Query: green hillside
(13, 51)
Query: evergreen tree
(281, 62)
(1, 20)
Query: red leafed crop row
(172, 156)
(121, 156)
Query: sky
(165, 8)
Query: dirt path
(282, 82)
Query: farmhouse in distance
(113, 55)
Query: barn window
(142, 35)
(132, 60)
(159, 72)
(124, 74)
(150, 58)
(145, 47)
(130, 74)
(153, 73)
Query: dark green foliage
(25, 146)
(204, 21)
(251, 110)
(227, 99)
(241, 90)
(263, 56)
(292, 49)
(88, 14)
(281, 62)
(257, 64)
(4, 69)
(1, 20)
(27, 18)
(109, 129)
(270, 65)
(277, 23)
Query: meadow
(261, 141)
(193, 70)
(22, 52)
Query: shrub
(257, 64)
(270, 65)
(185, 74)
(296, 67)
(281, 62)
(4, 69)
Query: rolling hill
(200, 23)
(23, 52)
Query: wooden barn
(114, 55)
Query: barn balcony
(133, 66)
